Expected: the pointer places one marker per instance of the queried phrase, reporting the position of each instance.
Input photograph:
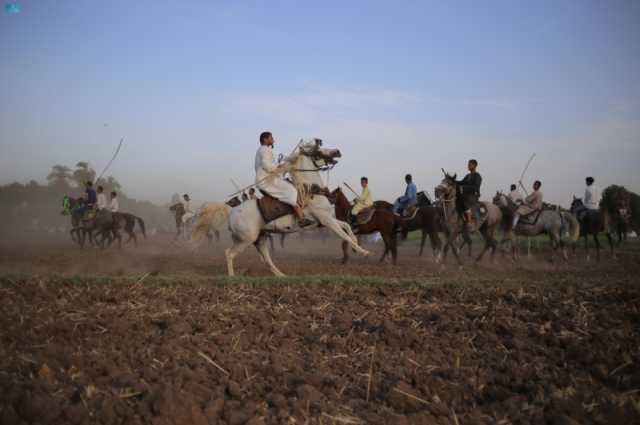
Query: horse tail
(141, 224)
(214, 216)
(574, 226)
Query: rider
(469, 188)
(90, 194)
(591, 195)
(114, 205)
(101, 198)
(188, 212)
(409, 199)
(532, 203)
(515, 195)
(365, 200)
(269, 178)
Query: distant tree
(59, 176)
(83, 173)
(110, 184)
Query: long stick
(526, 167)
(112, 159)
(349, 187)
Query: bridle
(316, 156)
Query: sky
(399, 87)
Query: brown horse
(454, 224)
(592, 222)
(382, 221)
(428, 219)
(121, 221)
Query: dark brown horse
(428, 219)
(122, 221)
(382, 221)
(592, 222)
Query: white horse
(248, 227)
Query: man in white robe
(114, 205)
(591, 195)
(269, 177)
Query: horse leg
(231, 253)
(611, 243)
(597, 241)
(217, 233)
(586, 245)
(282, 236)
(422, 241)
(487, 237)
(270, 237)
(389, 245)
(436, 244)
(263, 249)
(343, 230)
(345, 252)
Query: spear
(112, 159)
(349, 187)
(526, 167)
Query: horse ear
(444, 172)
(455, 176)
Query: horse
(125, 221)
(617, 202)
(428, 219)
(592, 222)
(553, 222)
(248, 226)
(382, 220)
(454, 224)
(107, 229)
(199, 220)
(508, 208)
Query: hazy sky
(408, 86)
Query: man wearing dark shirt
(469, 188)
(91, 196)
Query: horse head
(447, 187)
(321, 157)
(576, 204)
(499, 199)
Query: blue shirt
(410, 194)
(92, 198)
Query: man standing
(365, 200)
(532, 203)
(114, 205)
(269, 177)
(515, 195)
(591, 195)
(469, 188)
(409, 198)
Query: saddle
(479, 211)
(532, 218)
(89, 215)
(409, 213)
(272, 209)
(365, 216)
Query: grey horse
(553, 222)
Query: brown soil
(148, 335)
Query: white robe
(592, 197)
(102, 201)
(515, 196)
(270, 182)
(114, 206)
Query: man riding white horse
(269, 177)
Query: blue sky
(398, 87)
